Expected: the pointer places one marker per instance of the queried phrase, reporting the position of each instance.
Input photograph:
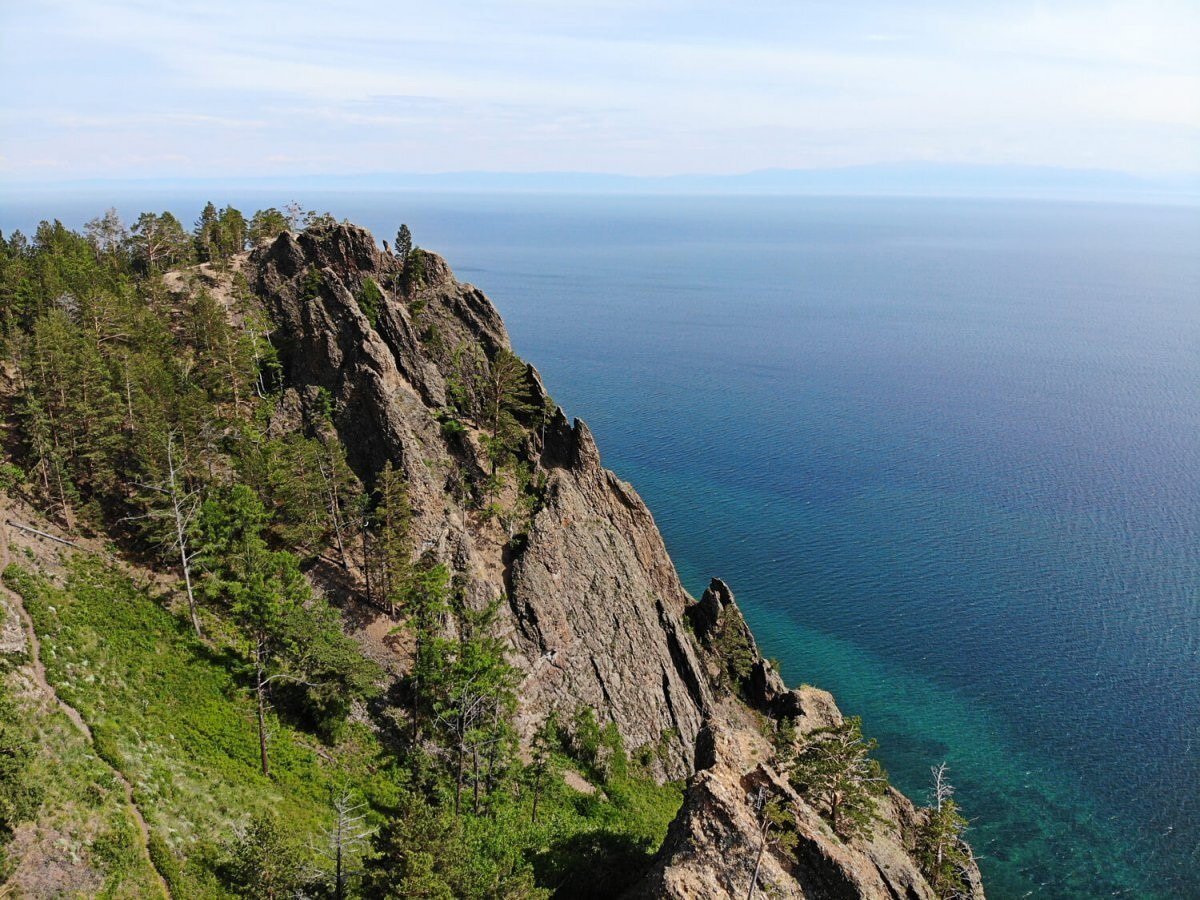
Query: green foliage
(284, 633)
(370, 300)
(307, 486)
(125, 386)
(11, 477)
(428, 852)
(159, 242)
(600, 749)
(783, 741)
(219, 235)
(109, 365)
(20, 796)
(264, 862)
(391, 559)
(941, 847)
(404, 244)
(415, 268)
(504, 392)
(834, 771)
(265, 225)
(170, 712)
(732, 645)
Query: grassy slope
(171, 715)
(176, 722)
(85, 843)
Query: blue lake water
(947, 454)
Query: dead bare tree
(179, 511)
(343, 839)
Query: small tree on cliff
(394, 543)
(404, 243)
(834, 770)
(776, 831)
(266, 224)
(941, 851)
(504, 395)
(542, 768)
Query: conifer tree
(207, 234)
(231, 232)
(394, 544)
(546, 741)
(171, 510)
(941, 850)
(426, 602)
(776, 831)
(504, 392)
(404, 243)
(159, 241)
(288, 636)
(264, 863)
(834, 770)
(265, 225)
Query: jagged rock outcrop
(713, 846)
(597, 615)
(596, 606)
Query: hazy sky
(216, 88)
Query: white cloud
(617, 86)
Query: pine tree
(344, 840)
(541, 770)
(171, 511)
(287, 635)
(264, 864)
(776, 831)
(265, 225)
(426, 602)
(418, 854)
(231, 232)
(834, 770)
(404, 243)
(394, 545)
(159, 241)
(504, 392)
(942, 851)
(207, 234)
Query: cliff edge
(593, 608)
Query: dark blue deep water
(947, 453)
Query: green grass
(172, 717)
(170, 713)
(83, 819)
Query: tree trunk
(339, 884)
(459, 779)
(758, 862)
(260, 690)
(475, 754)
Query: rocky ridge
(596, 613)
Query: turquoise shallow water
(946, 452)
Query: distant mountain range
(903, 179)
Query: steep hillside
(320, 439)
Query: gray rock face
(597, 606)
(595, 610)
(595, 602)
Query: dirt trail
(39, 676)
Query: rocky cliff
(596, 613)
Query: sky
(118, 89)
